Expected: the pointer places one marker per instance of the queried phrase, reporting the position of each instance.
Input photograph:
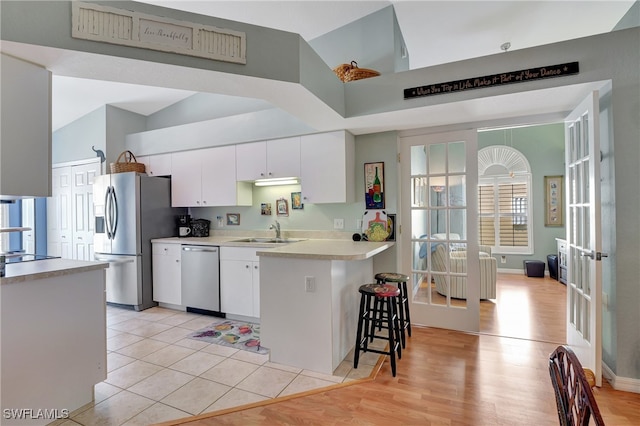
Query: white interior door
(439, 193)
(584, 245)
(83, 218)
(59, 213)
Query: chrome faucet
(276, 226)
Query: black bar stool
(383, 314)
(403, 301)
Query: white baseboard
(625, 384)
(516, 271)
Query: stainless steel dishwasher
(200, 275)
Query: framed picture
(233, 218)
(282, 207)
(296, 201)
(265, 209)
(374, 185)
(553, 201)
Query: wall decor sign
(119, 26)
(519, 76)
(374, 185)
(553, 215)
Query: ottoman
(534, 268)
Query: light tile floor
(155, 373)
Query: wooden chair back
(574, 397)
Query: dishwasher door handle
(210, 250)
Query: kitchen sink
(267, 240)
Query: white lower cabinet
(239, 281)
(167, 285)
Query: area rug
(235, 334)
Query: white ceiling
(435, 32)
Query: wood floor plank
(453, 378)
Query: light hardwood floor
(454, 378)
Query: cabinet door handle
(255, 267)
(246, 266)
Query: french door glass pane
(457, 157)
(418, 160)
(437, 158)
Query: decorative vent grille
(118, 26)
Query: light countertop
(46, 268)
(312, 248)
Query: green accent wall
(543, 146)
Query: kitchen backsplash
(310, 217)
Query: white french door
(584, 242)
(439, 193)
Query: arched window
(504, 198)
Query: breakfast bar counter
(309, 300)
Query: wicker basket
(351, 72)
(130, 164)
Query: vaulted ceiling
(435, 32)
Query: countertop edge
(309, 248)
(48, 268)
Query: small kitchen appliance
(200, 227)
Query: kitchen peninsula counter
(309, 300)
(308, 294)
(310, 248)
(53, 332)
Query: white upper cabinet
(206, 178)
(25, 129)
(157, 165)
(276, 158)
(327, 167)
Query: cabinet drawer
(165, 249)
(239, 253)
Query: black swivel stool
(403, 307)
(383, 314)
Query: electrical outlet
(503, 259)
(338, 223)
(359, 224)
(310, 284)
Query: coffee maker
(183, 222)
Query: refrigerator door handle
(115, 213)
(107, 207)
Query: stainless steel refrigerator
(130, 210)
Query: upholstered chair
(458, 264)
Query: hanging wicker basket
(127, 162)
(351, 72)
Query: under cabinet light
(277, 181)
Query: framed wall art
(282, 207)
(553, 201)
(233, 218)
(296, 201)
(374, 185)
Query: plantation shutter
(487, 211)
(503, 207)
(512, 201)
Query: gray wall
(373, 41)
(74, 141)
